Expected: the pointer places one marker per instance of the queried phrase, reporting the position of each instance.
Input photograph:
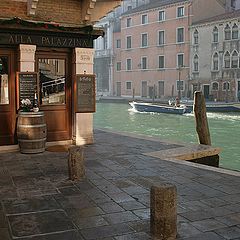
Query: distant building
(151, 49)
(103, 58)
(215, 53)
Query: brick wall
(12, 9)
(64, 11)
(68, 11)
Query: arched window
(215, 34)
(227, 60)
(215, 86)
(226, 86)
(227, 32)
(234, 59)
(195, 63)
(195, 37)
(215, 62)
(235, 31)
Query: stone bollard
(163, 207)
(76, 168)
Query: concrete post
(76, 167)
(84, 121)
(163, 207)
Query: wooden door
(119, 89)
(55, 93)
(160, 89)
(206, 90)
(7, 97)
(144, 88)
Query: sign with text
(85, 96)
(47, 40)
(27, 85)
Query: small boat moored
(148, 107)
(219, 107)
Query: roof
(221, 17)
(153, 4)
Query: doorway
(55, 93)
(7, 97)
(206, 90)
(144, 88)
(119, 89)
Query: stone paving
(38, 201)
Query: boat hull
(147, 107)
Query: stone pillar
(163, 207)
(27, 58)
(84, 121)
(76, 167)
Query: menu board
(85, 97)
(27, 85)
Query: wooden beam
(200, 113)
(94, 10)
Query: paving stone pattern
(112, 202)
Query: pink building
(151, 52)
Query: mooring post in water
(199, 109)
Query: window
(233, 4)
(180, 62)
(144, 62)
(144, 40)
(4, 81)
(144, 19)
(215, 86)
(235, 31)
(195, 37)
(129, 64)
(161, 38)
(52, 85)
(195, 63)
(129, 22)
(128, 85)
(215, 62)
(161, 62)
(227, 33)
(234, 59)
(226, 86)
(129, 42)
(129, 7)
(215, 34)
(227, 60)
(180, 85)
(180, 12)
(180, 35)
(161, 16)
(118, 43)
(118, 66)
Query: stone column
(27, 58)
(84, 121)
(163, 207)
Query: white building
(215, 54)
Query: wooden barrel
(31, 132)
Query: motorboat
(159, 108)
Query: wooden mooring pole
(200, 114)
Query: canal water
(224, 128)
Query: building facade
(104, 57)
(53, 39)
(152, 48)
(215, 65)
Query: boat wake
(223, 116)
